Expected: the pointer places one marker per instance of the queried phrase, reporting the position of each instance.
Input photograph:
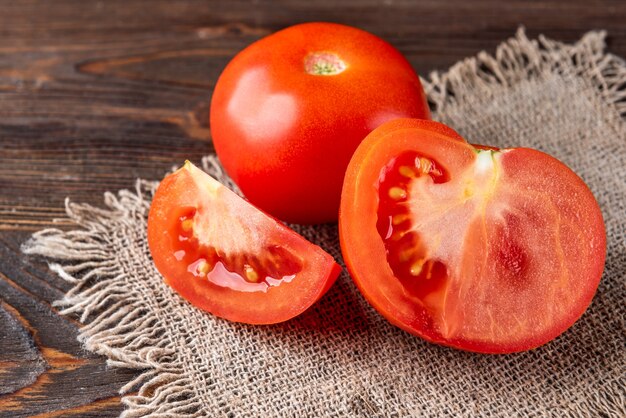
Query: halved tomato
(227, 257)
(481, 249)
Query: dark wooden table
(94, 94)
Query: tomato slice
(227, 257)
(481, 249)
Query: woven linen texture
(340, 358)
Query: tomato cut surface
(229, 258)
(472, 247)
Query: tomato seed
(187, 225)
(251, 274)
(416, 267)
(396, 193)
(406, 171)
(398, 219)
(203, 268)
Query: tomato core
(240, 271)
(323, 63)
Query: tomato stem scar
(323, 63)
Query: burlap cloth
(341, 358)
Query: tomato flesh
(407, 255)
(475, 248)
(244, 272)
(229, 258)
(404, 252)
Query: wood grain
(95, 94)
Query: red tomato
(227, 257)
(289, 110)
(486, 250)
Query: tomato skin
(560, 233)
(189, 187)
(286, 136)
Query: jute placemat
(341, 358)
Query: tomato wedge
(472, 247)
(227, 257)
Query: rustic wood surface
(94, 94)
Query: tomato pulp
(289, 110)
(481, 249)
(227, 257)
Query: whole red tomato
(288, 112)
